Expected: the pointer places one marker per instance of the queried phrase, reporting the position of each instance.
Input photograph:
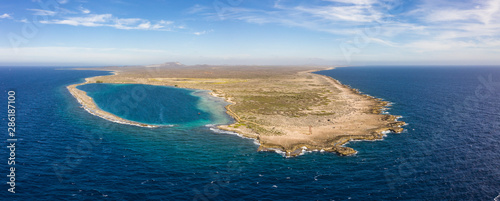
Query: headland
(286, 108)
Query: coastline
(338, 147)
(359, 116)
(89, 105)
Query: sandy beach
(89, 105)
(287, 110)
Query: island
(287, 109)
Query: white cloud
(5, 15)
(468, 25)
(108, 20)
(202, 32)
(84, 10)
(161, 24)
(338, 17)
(483, 13)
(357, 2)
(440, 24)
(197, 8)
(145, 25)
(90, 21)
(42, 12)
(384, 42)
(355, 13)
(432, 26)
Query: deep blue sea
(450, 149)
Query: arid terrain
(286, 108)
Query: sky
(249, 32)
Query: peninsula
(88, 104)
(285, 108)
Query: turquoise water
(448, 151)
(158, 105)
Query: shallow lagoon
(158, 105)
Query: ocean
(448, 151)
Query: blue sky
(275, 32)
